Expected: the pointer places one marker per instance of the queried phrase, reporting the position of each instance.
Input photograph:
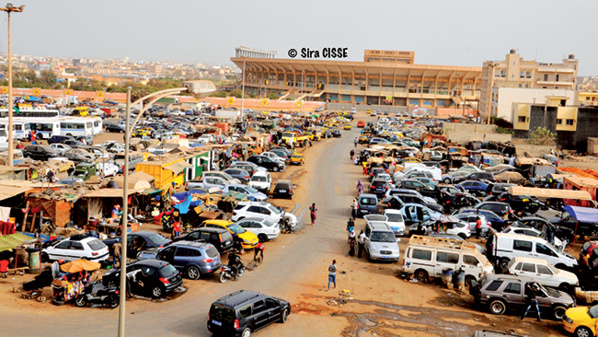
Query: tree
(542, 136)
(219, 94)
(272, 96)
(47, 78)
(236, 93)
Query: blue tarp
(583, 214)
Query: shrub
(542, 136)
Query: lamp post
(9, 9)
(243, 91)
(199, 89)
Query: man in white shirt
(360, 243)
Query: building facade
(384, 78)
(503, 99)
(515, 72)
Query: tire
(558, 312)
(223, 277)
(582, 331)
(45, 257)
(80, 301)
(421, 275)
(497, 307)
(275, 169)
(284, 316)
(246, 332)
(241, 272)
(157, 292)
(462, 236)
(193, 273)
(263, 237)
(446, 181)
(114, 302)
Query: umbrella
(80, 265)
(315, 116)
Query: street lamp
(9, 9)
(198, 89)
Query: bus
(77, 127)
(21, 129)
(44, 128)
(32, 113)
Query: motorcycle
(285, 226)
(167, 220)
(227, 273)
(97, 293)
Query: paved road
(287, 266)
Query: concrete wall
(508, 96)
(463, 133)
(533, 150)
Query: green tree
(272, 96)
(542, 136)
(47, 79)
(236, 93)
(220, 94)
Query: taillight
(220, 237)
(236, 324)
(164, 280)
(246, 177)
(94, 254)
(208, 260)
(116, 292)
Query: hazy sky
(440, 32)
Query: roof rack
(441, 243)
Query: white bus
(32, 113)
(44, 128)
(21, 129)
(77, 127)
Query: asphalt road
(289, 264)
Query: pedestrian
(531, 291)
(355, 142)
(33, 138)
(352, 240)
(360, 244)
(350, 225)
(352, 153)
(313, 211)
(176, 228)
(332, 274)
(117, 248)
(365, 168)
(478, 228)
(4, 268)
(354, 208)
(359, 190)
(258, 254)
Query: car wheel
(45, 257)
(193, 273)
(462, 236)
(284, 316)
(446, 181)
(497, 307)
(263, 237)
(246, 332)
(157, 292)
(422, 275)
(275, 169)
(582, 331)
(558, 312)
(80, 301)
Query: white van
(261, 181)
(380, 242)
(503, 247)
(427, 256)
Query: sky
(460, 33)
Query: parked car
(248, 239)
(141, 240)
(264, 229)
(206, 183)
(261, 181)
(243, 312)
(119, 128)
(380, 242)
(68, 140)
(501, 293)
(581, 321)
(238, 173)
(417, 186)
(70, 249)
(262, 210)
(78, 156)
(40, 152)
(268, 163)
(497, 222)
(283, 189)
(395, 221)
(471, 220)
(474, 187)
(379, 186)
(476, 176)
(367, 204)
(194, 259)
(251, 193)
(148, 277)
(298, 159)
(544, 273)
(499, 208)
(220, 238)
(60, 147)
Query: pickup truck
(296, 137)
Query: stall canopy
(550, 193)
(583, 214)
(13, 240)
(11, 191)
(109, 193)
(178, 167)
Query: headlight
(375, 251)
(567, 319)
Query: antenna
(536, 56)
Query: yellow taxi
(363, 140)
(411, 160)
(297, 159)
(248, 239)
(581, 321)
(142, 132)
(347, 127)
(369, 111)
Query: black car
(68, 140)
(379, 187)
(475, 176)
(417, 185)
(336, 133)
(138, 241)
(500, 208)
(147, 277)
(238, 173)
(242, 312)
(219, 237)
(283, 189)
(414, 199)
(546, 226)
(267, 163)
(40, 152)
(115, 128)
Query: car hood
(150, 253)
(566, 275)
(578, 313)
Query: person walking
(365, 168)
(355, 142)
(359, 191)
(176, 229)
(258, 254)
(352, 241)
(350, 225)
(352, 153)
(354, 207)
(332, 274)
(313, 214)
(478, 228)
(360, 244)
(531, 291)
(117, 247)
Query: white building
(503, 98)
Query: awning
(583, 214)
(550, 193)
(109, 193)
(11, 191)
(13, 240)
(178, 167)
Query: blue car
(193, 258)
(416, 213)
(251, 193)
(367, 204)
(497, 222)
(473, 187)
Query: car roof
(218, 222)
(367, 195)
(194, 244)
(507, 277)
(239, 297)
(211, 229)
(284, 182)
(253, 218)
(530, 260)
(150, 262)
(144, 233)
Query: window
(187, 252)
(522, 119)
(503, 73)
(513, 288)
(557, 77)
(422, 254)
(63, 245)
(544, 270)
(528, 74)
(245, 311)
(470, 260)
(270, 303)
(541, 249)
(529, 267)
(525, 246)
(522, 74)
(559, 121)
(570, 121)
(519, 265)
(76, 245)
(258, 307)
(494, 285)
(447, 257)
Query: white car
(395, 221)
(461, 229)
(273, 156)
(108, 169)
(60, 147)
(262, 228)
(472, 218)
(529, 231)
(543, 272)
(88, 248)
(262, 210)
(261, 181)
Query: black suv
(242, 312)
(40, 152)
(147, 277)
(283, 188)
(476, 176)
(68, 140)
(219, 237)
(266, 163)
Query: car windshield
(274, 209)
(250, 189)
(593, 311)
(236, 229)
(96, 245)
(296, 156)
(258, 178)
(212, 252)
(158, 239)
(383, 237)
(168, 270)
(394, 217)
(221, 313)
(267, 223)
